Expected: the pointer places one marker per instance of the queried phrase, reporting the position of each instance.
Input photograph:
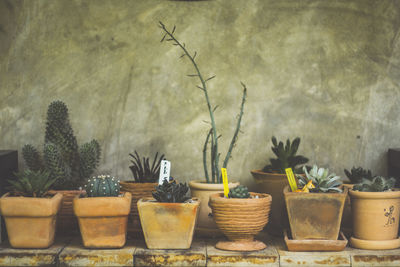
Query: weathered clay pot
(168, 225)
(273, 184)
(315, 215)
(375, 219)
(30, 221)
(240, 219)
(202, 190)
(103, 220)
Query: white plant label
(165, 169)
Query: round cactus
(239, 191)
(102, 186)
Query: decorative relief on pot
(389, 214)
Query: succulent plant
(171, 192)
(141, 170)
(356, 175)
(239, 191)
(286, 156)
(31, 183)
(377, 184)
(32, 158)
(102, 186)
(322, 180)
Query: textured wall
(327, 71)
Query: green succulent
(356, 175)
(377, 184)
(32, 158)
(31, 183)
(286, 156)
(102, 186)
(322, 180)
(171, 192)
(141, 170)
(239, 191)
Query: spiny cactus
(102, 186)
(239, 191)
(286, 156)
(89, 156)
(31, 183)
(356, 175)
(141, 170)
(377, 184)
(32, 158)
(171, 192)
(322, 180)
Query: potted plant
(240, 217)
(30, 210)
(145, 179)
(69, 164)
(272, 179)
(202, 189)
(168, 219)
(375, 207)
(316, 211)
(103, 213)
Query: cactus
(322, 180)
(377, 184)
(171, 192)
(32, 158)
(89, 156)
(356, 175)
(31, 183)
(102, 186)
(239, 191)
(141, 170)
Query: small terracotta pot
(240, 219)
(202, 190)
(315, 215)
(168, 225)
(103, 220)
(30, 221)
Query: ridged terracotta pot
(103, 220)
(375, 219)
(30, 221)
(240, 219)
(168, 225)
(315, 215)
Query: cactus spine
(102, 186)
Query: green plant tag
(292, 181)
(225, 181)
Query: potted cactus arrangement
(103, 213)
(64, 160)
(240, 217)
(272, 179)
(212, 183)
(375, 207)
(168, 219)
(30, 210)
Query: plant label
(165, 169)
(292, 181)
(225, 181)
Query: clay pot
(315, 215)
(103, 220)
(273, 184)
(168, 225)
(347, 221)
(202, 190)
(240, 219)
(30, 221)
(375, 219)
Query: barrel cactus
(102, 186)
(239, 191)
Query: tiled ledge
(203, 253)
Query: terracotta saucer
(315, 244)
(375, 244)
(241, 245)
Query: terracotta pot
(273, 184)
(103, 220)
(347, 221)
(30, 221)
(202, 190)
(138, 191)
(375, 218)
(168, 225)
(315, 215)
(240, 219)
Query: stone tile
(75, 254)
(361, 257)
(195, 256)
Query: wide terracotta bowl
(240, 219)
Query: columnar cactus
(102, 186)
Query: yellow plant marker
(225, 181)
(292, 181)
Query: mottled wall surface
(327, 71)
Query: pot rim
(7, 195)
(203, 185)
(125, 194)
(220, 197)
(375, 195)
(133, 182)
(286, 192)
(196, 201)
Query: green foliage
(171, 192)
(239, 191)
(141, 170)
(356, 175)
(286, 156)
(102, 186)
(377, 184)
(32, 158)
(31, 183)
(323, 181)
